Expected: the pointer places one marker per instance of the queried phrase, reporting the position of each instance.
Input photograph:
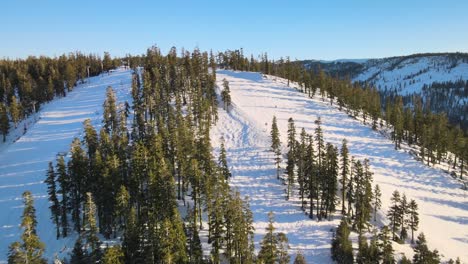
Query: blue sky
(304, 29)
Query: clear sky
(306, 29)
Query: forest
(149, 180)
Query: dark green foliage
(422, 254)
(276, 144)
(395, 213)
(4, 121)
(300, 259)
(385, 245)
(342, 249)
(274, 246)
(222, 162)
(25, 84)
(376, 202)
(113, 255)
(31, 248)
(413, 218)
(226, 95)
(52, 192)
(344, 152)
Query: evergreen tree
(405, 260)
(376, 202)
(78, 255)
(422, 254)
(291, 155)
(31, 249)
(15, 111)
(300, 259)
(274, 246)
(52, 192)
(269, 245)
(283, 247)
(64, 182)
(386, 248)
(344, 173)
(113, 255)
(404, 212)
(92, 245)
(394, 213)
(4, 121)
(413, 218)
(222, 162)
(276, 144)
(342, 249)
(226, 95)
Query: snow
(245, 128)
(23, 164)
(443, 206)
(409, 75)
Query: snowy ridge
(407, 75)
(23, 164)
(443, 206)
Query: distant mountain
(440, 79)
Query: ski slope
(23, 164)
(443, 206)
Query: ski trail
(254, 175)
(23, 164)
(443, 206)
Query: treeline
(322, 175)
(136, 179)
(25, 84)
(416, 125)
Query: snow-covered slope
(441, 80)
(408, 75)
(23, 164)
(443, 206)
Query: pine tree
(31, 250)
(290, 172)
(291, 155)
(301, 156)
(113, 255)
(222, 162)
(394, 213)
(52, 192)
(300, 259)
(269, 252)
(110, 117)
(226, 95)
(107, 62)
(276, 144)
(344, 173)
(376, 203)
(385, 245)
(78, 256)
(283, 247)
(405, 260)
(422, 254)
(274, 246)
(4, 121)
(342, 248)
(92, 245)
(363, 255)
(15, 111)
(413, 218)
(64, 182)
(404, 212)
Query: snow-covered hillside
(408, 75)
(23, 164)
(443, 206)
(441, 80)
